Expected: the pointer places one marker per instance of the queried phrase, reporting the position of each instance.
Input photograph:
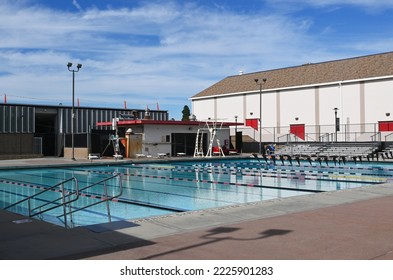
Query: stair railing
(65, 200)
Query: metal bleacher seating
(387, 152)
(330, 151)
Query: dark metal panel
(83, 121)
(25, 119)
(78, 121)
(12, 124)
(2, 119)
(68, 120)
(30, 119)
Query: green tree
(186, 113)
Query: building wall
(51, 123)
(17, 118)
(16, 144)
(225, 110)
(361, 104)
(205, 109)
(297, 104)
(86, 118)
(22, 118)
(155, 137)
(350, 110)
(378, 100)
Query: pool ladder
(104, 198)
(66, 199)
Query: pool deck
(354, 224)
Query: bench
(116, 157)
(94, 156)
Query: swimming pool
(141, 190)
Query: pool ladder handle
(106, 198)
(63, 199)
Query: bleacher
(386, 152)
(331, 151)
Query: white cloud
(322, 3)
(163, 52)
(76, 4)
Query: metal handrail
(285, 135)
(388, 135)
(106, 198)
(308, 137)
(63, 198)
(375, 136)
(323, 137)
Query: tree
(186, 113)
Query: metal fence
(366, 132)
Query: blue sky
(149, 52)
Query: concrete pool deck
(354, 224)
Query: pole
(335, 121)
(236, 132)
(79, 66)
(260, 119)
(73, 115)
(260, 111)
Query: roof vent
(240, 72)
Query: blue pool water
(153, 189)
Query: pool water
(154, 189)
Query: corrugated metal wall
(16, 118)
(86, 118)
(21, 118)
(52, 124)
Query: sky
(159, 53)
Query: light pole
(336, 122)
(236, 132)
(260, 111)
(78, 67)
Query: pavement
(355, 224)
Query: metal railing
(376, 137)
(390, 135)
(65, 200)
(286, 138)
(105, 198)
(358, 132)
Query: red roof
(156, 122)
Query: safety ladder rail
(65, 194)
(212, 137)
(106, 198)
(196, 150)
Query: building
(342, 100)
(28, 130)
(159, 138)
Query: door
(298, 130)
(385, 126)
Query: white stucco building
(145, 137)
(301, 103)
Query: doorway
(298, 130)
(45, 128)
